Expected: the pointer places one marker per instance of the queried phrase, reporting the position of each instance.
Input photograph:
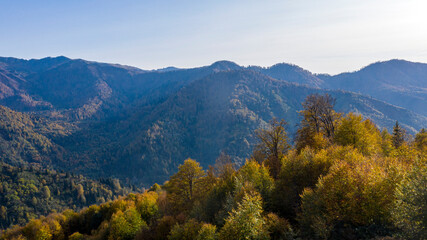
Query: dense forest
(342, 179)
(109, 120)
(28, 192)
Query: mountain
(111, 120)
(216, 113)
(399, 82)
(290, 73)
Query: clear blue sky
(320, 35)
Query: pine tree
(398, 137)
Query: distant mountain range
(112, 120)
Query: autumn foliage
(345, 179)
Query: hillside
(398, 82)
(30, 138)
(28, 192)
(214, 114)
(112, 120)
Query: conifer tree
(398, 137)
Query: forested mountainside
(30, 138)
(30, 191)
(398, 82)
(344, 179)
(217, 113)
(112, 120)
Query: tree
(410, 211)
(186, 185)
(186, 231)
(46, 192)
(279, 228)
(125, 225)
(421, 141)
(352, 197)
(362, 134)
(147, 205)
(386, 143)
(258, 176)
(318, 120)
(245, 222)
(207, 232)
(273, 144)
(398, 137)
(224, 166)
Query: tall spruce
(398, 137)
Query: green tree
(46, 192)
(187, 184)
(302, 170)
(421, 141)
(356, 194)
(272, 146)
(147, 205)
(398, 137)
(186, 231)
(279, 228)
(259, 176)
(245, 222)
(386, 143)
(410, 212)
(125, 225)
(207, 232)
(362, 134)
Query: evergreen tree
(398, 137)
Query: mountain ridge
(129, 123)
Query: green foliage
(355, 185)
(187, 231)
(245, 222)
(147, 205)
(299, 171)
(410, 212)
(125, 225)
(356, 193)
(258, 175)
(29, 138)
(279, 228)
(30, 192)
(207, 232)
(352, 130)
(421, 141)
(387, 147)
(187, 184)
(76, 236)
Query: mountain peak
(224, 66)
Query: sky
(323, 36)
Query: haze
(328, 36)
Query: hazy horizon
(330, 36)
(250, 65)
